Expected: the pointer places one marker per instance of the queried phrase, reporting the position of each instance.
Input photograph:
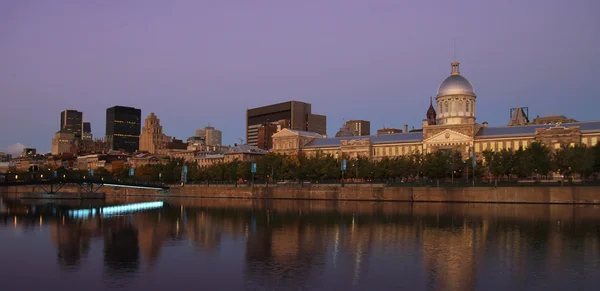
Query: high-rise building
(297, 115)
(211, 136)
(152, 138)
(87, 131)
(62, 142)
(72, 121)
(359, 127)
(123, 128)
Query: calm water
(211, 244)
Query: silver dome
(455, 84)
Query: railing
(74, 178)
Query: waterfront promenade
(377, 192)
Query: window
(472, 107)
(476, 147)
(387, 151)
(493, 146)
(516, 145)
(594, 141)
(584, 141)
(459, 105)
(500, 145)
(524, 144)
(557, 145)
(393, 151)
(446, 105)
(467, 107)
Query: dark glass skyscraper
(123, 128)
(87, 131)
(71, 121)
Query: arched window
(472, 107)
(467, 106)
(446, 104)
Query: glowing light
(135, 187)
(113, 210)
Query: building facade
(71, 121)
(454, 128)
(359, 127)
(62, 142)
(123, 128)
(87, 131)
(292, 114)
(152, 138)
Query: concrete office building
(72, 121)
(123, 128)
(359, 127)
(296, 115)
(62, 142)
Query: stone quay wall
(530, 194)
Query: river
(238, 244)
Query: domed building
(451, 127)
(344, 132)
(455, 99)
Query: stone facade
(152, 138)
(455, 129)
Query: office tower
(295, 115)
(123, 128)
(72, 121)
(87, 131)
(359, 127)
(152, 138)
(62, 142)
(211, 136)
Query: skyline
(198, 63)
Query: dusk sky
(198, 62)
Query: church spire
(431, 114)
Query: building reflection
(286, 243)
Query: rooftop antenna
(454, 51)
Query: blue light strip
(135, 187)
(113, 210)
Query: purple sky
(198, 62)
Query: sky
(195, 63)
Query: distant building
(62, 142)
(123, 128)
(242, 153)
(553, 119)
(72, 121)
(519, 116)
(177, 144)
(152, 138)
(345, 131)
(265, 134)
(88, 147)
(359, 127)
(5, 158)
(296, 115)
(212, 136)
(388, 130)
(27, 152)
(87, 131)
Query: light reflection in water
(266, 244)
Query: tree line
(535, 162)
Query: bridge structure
(52, 183)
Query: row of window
(446, 107)
(515, 144)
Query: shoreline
(516, 195)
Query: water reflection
(328, 245)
